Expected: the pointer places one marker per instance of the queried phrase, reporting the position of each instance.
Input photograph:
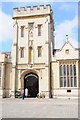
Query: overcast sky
(65, 15)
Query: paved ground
(40, 108)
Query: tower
(33, 42)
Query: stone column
(13, 87)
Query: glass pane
(74, 70)
(39, 30)
(39, 52)
(22, 31)
(64, 70)
(75, 82)
(61, 82)
(61, 72)
(71, 81)
(71, 70)
(64, 81)
(67, 70)
(30, 25)
(68, 82)
(22, 52)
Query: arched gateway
(31, 82)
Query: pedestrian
(23, 94)
(26, 92)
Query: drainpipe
(50, 83)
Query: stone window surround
(21, 52)
(39, 29)
(39, 48)
(22, 31)
(68, 63)
(67, 51)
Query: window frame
(30, 55)
(40, 48)
(29, 25)
(71, 79)
(39, 29)
(22, 52)
(22, 31)
(61, 76)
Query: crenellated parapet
(24, 12)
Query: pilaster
(13, 86)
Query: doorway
(31, 83)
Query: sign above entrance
(31, 75)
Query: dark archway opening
(31, 82)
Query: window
(67, 51)
(22, 31)
(39, 30)
(61, 76)
(22, 52)
(71, 75)
(0, 76)
(68, 75)
(31, 26)
(39, 51)
(30, 29)
(75, 81)
(30, 55)
(64, 76)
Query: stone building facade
(33, 62)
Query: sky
(65, 15)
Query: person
(26, 92)
(23, 94)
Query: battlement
(24, 12)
